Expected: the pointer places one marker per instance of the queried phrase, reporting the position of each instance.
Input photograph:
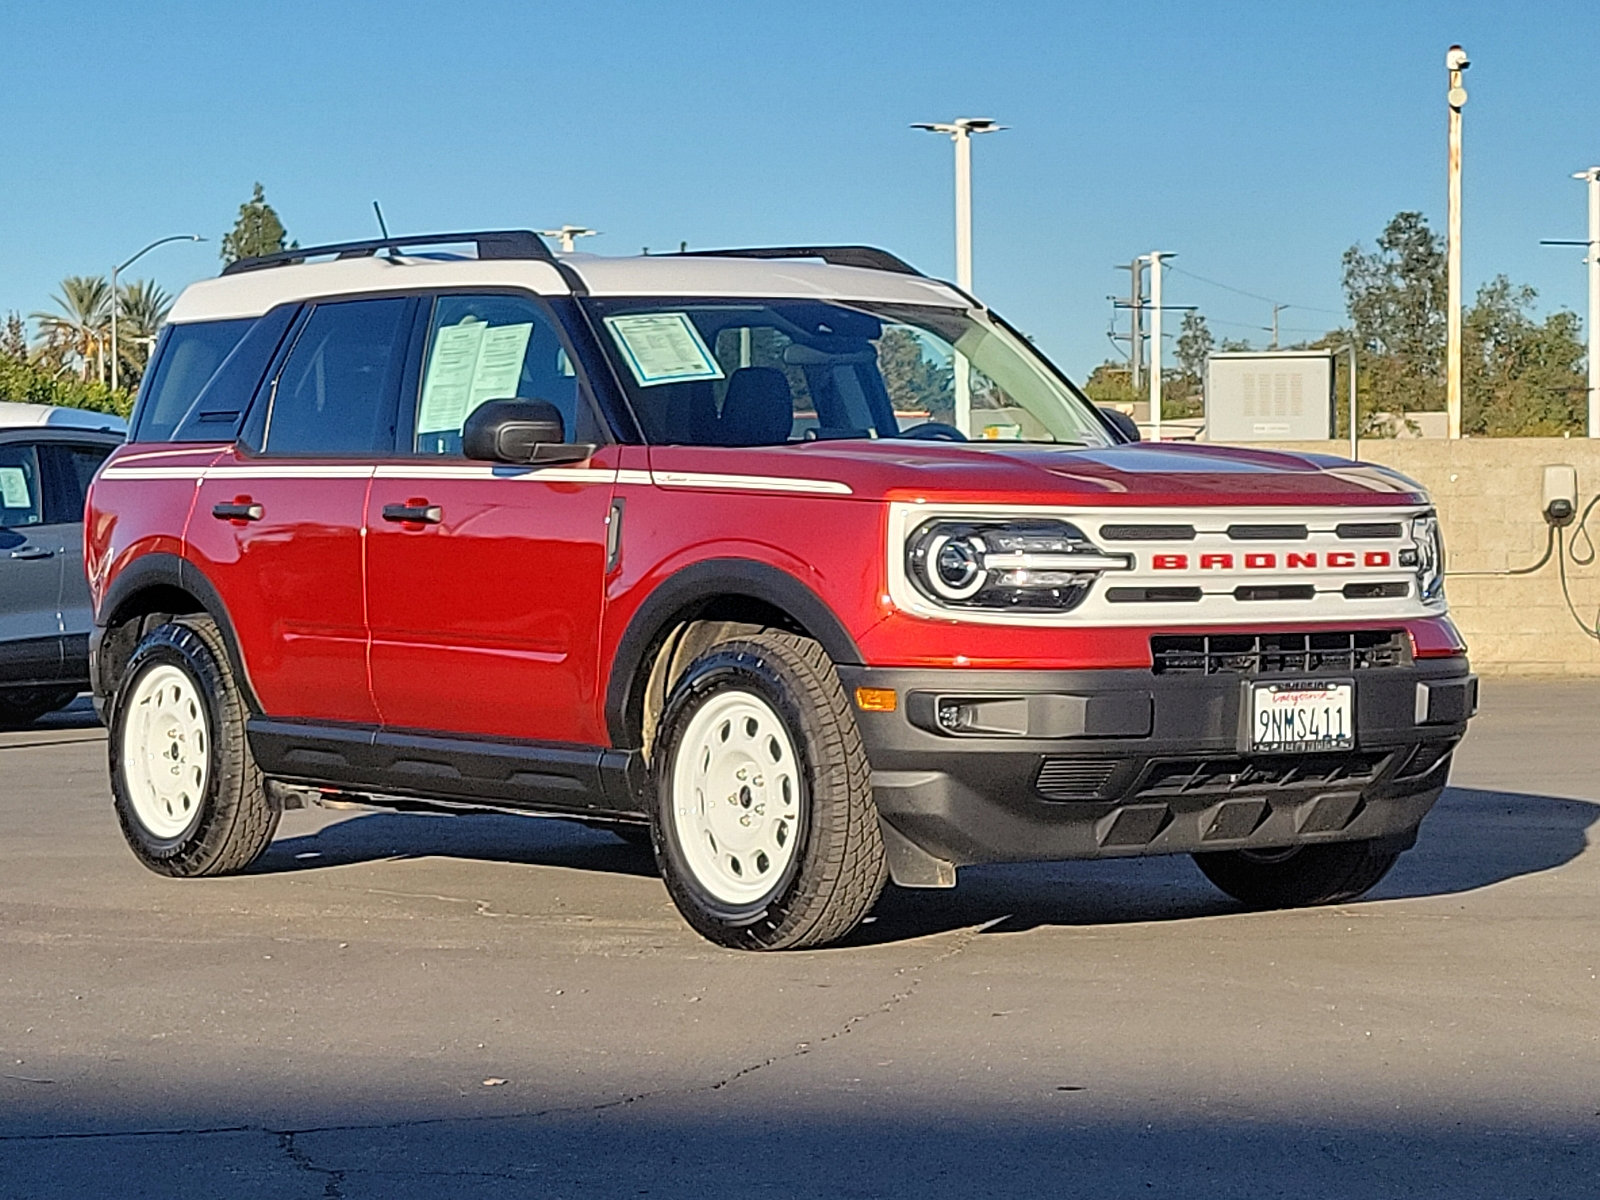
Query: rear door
(278, 529)
(68, 469)
(32, 547)
(485, 615)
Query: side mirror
(1121, 422)
(525, 432)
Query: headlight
(1040, 566)
(1428, 559)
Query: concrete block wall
(1489, 495)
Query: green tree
(1520, 377)
(141, 312)
(258, 231)
(78, 333)
(14, 338)
(916, 382)
(1195, 345)
(1396, 299)
(30, 383)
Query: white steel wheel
(736, 796)
(166, 751)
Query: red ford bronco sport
(813, 573)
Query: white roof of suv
(253, 292)
(31, 416)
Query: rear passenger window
(73, 468)
(483, 348)
(19, 486)
(336, 391)
(190, 355)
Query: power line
(1253, 295)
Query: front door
(32, 546)
(484, 580)
(278, 531)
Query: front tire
(188, 793)
(1299, 876)
(767, 834)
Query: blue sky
(1257, 140)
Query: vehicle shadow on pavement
(1472, 839)
(388, 836)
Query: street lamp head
(961, 126)
(1592, 174)
(1456, 59)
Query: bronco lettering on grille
(1294, 560)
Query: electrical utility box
(1270, 396)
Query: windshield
(764, 373)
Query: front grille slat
(1279, 653)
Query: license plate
(1292, 718)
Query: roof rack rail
(491, 243)
(869, 257)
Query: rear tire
(1299, 876)
(187, 791)
(766, 831)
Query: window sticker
(14, 488)
(472, 362)
(663, 348)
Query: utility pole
(1135, 306)
(1592, 175)
(961, 131)
(1455, 61)
(1276, 309)
(1154, 258)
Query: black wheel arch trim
(169, 571)
(705, 582)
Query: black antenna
(383, 226)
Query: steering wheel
(934, 431)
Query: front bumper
(1091, 764)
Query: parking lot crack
(333, 1185)
(913, 981)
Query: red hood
(1150, 473)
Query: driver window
(483, 348)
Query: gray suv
(47, 458)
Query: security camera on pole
(961, 131)
(1455, 61)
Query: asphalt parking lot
(395, 1005)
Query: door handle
(418, 512)
(32, 552)
(242, 509)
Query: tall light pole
(568, 234)
(960, 131)
(116, 298)
(1455, 61)
(1592, 176)
(1155, 257)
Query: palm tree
(141, 311)
(83, 325)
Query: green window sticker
(663, 348)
